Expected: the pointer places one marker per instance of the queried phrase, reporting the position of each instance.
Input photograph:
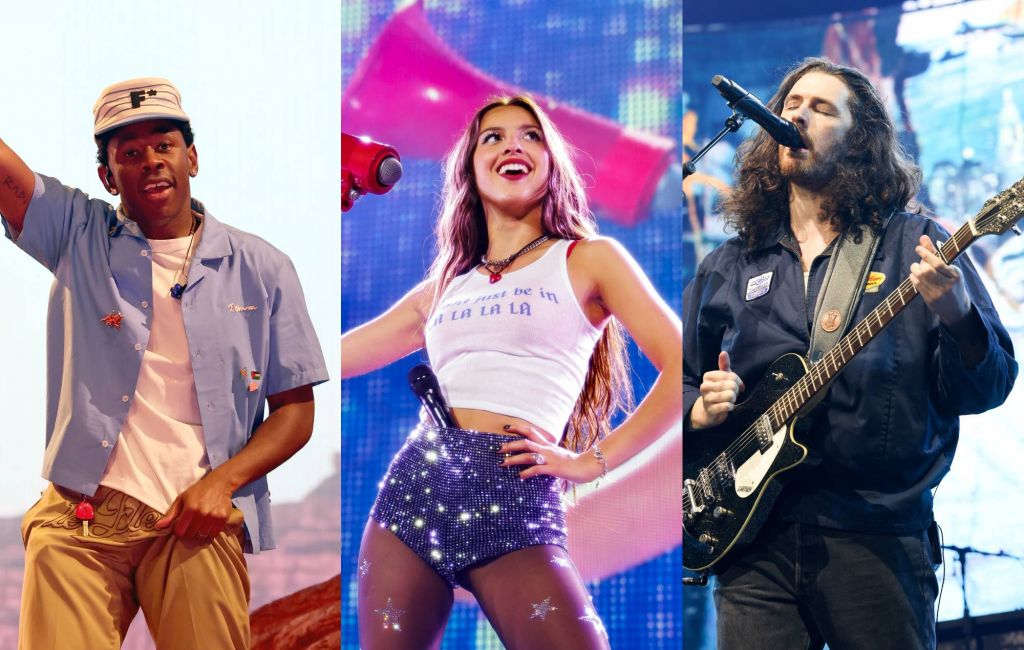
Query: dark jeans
(799, 587)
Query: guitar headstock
(1001, 212)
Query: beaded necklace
(497, 267)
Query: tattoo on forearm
(15, 190)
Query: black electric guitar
(731, 472)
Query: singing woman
(522, 316)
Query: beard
(813, 173)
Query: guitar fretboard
(822, 372)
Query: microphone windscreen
(727, 89)
(422, 379)
(389, 171)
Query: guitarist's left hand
(940, 285)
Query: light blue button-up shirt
(243, 310)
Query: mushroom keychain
(85, 513)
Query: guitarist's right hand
(718, 394)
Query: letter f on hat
(139, 96)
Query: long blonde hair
(461, 236)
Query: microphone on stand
(783, 131)
(366, 166)
(424, 384)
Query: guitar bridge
(695, 506)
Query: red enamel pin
(113, 319)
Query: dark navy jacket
(889, 426)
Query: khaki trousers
(81, 592)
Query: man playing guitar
(845, 556)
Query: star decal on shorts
(364, 567)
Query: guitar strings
(792, 398)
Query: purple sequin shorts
(446, 498)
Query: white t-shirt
(161, 450)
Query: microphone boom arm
(732, 124)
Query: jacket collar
(214, 243)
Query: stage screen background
(586, 54)
(964, 92)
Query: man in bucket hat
(167, 333)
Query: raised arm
(16, 183)
(392, 335)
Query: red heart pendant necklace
(497, 267)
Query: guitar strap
(842, 289)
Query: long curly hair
(461, 236)
(873, 174)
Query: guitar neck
(825, 369)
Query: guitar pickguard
(751, 473)
(730, 471)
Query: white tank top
(518, 347)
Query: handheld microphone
(366, 166)
(424, 384)
(741, 101)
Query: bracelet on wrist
(599, 455)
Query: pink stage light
(414, 92)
